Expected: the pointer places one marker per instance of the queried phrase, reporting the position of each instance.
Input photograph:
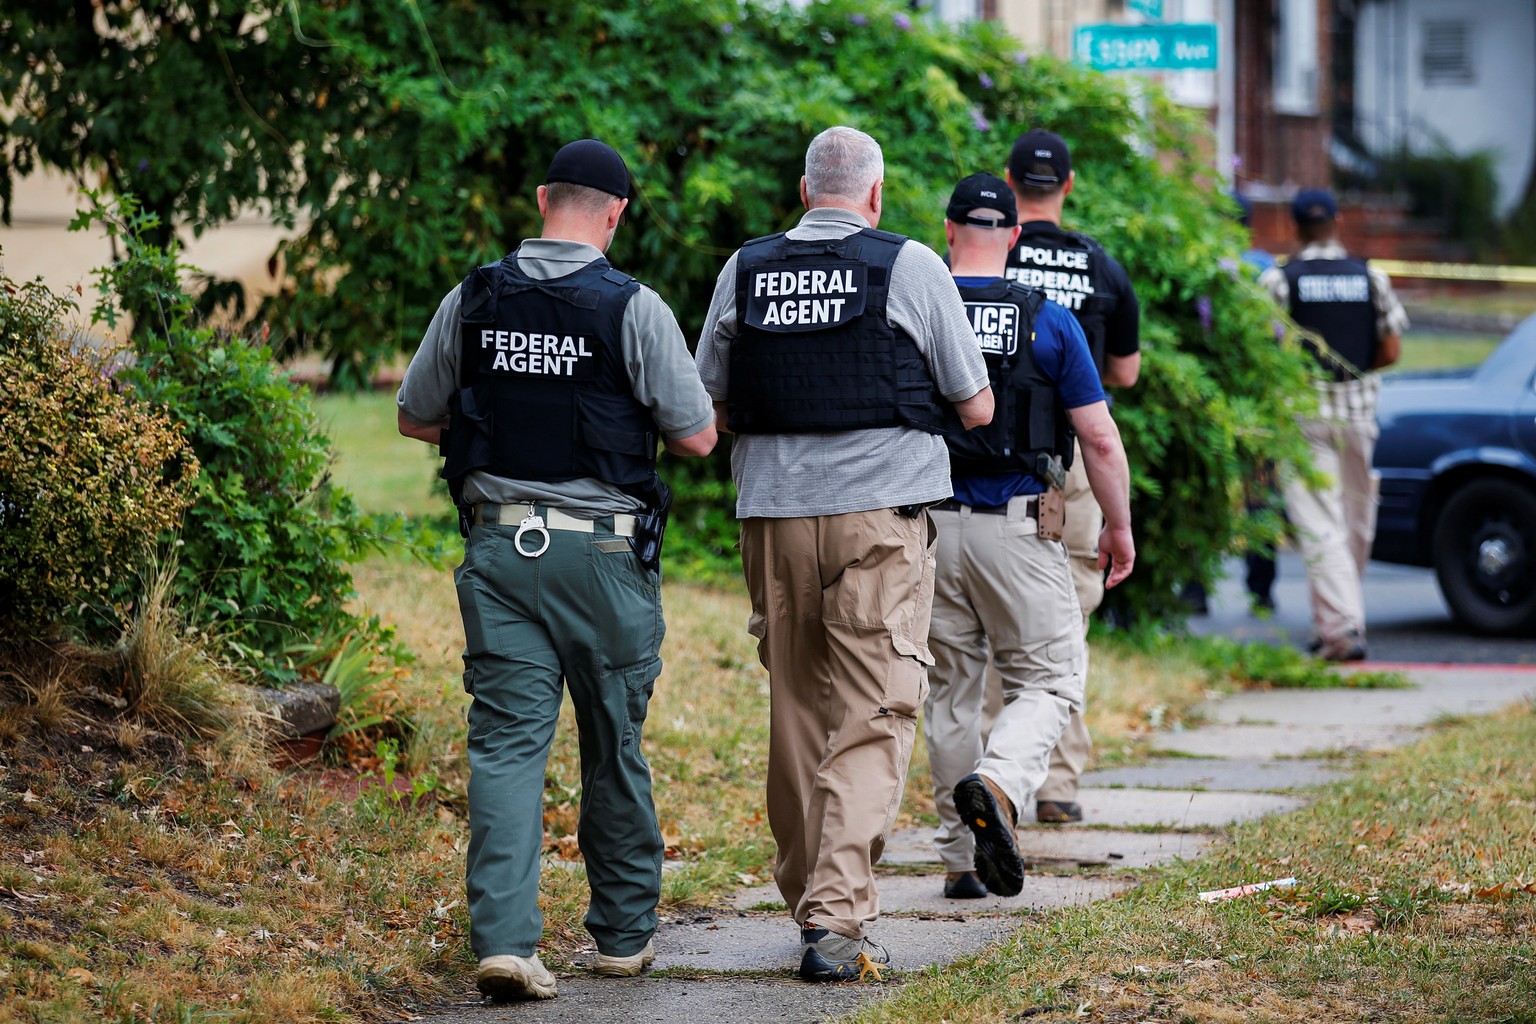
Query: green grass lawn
(384, 471)
(1444, 350)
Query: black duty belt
(1031, 508)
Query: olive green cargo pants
(586, 613)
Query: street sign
(1176, 47)
(1152, 9)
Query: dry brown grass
(166, 670)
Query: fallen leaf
(81, 975)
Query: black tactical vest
(1027, 422)
(1333, 298)
(1069, 268)
(814, 351)
(543, 391)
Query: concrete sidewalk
(1256, 757)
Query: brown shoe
(1058, 812)
(1349, 647)
(989, 815)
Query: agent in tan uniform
(1004, 584)
(837, 354)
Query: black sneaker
(997, 854)
(828, 956)
(966, 886)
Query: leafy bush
(88, 474)
(1460, 189)
(264, 548)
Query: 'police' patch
(1066, 275)
(807, 298)
(996, 325)
(530, 353)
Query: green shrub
(1459, 189)
(88, 474)
(264, 548)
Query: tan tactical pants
(840, 607)
(1081, 536)
(999, 589)
(1334, 526)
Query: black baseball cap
(590, 163)
(982, 192)
(1040, 159)
(1313, 206)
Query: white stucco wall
(1495, 111)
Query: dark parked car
(1457, 456)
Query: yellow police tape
(1458, 271)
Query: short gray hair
(842, 162)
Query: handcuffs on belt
(532, 523)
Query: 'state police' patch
(1333, 288)
(807, 298)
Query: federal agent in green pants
(585, 611)
(555, 377)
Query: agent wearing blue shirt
(1003, 582)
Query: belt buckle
(532, 523)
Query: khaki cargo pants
(840, 607)
(1001, 590)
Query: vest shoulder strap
(1030, 298)
(763, 240)
(884, 236)
(477, 289)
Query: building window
(1295, 57)
(1446, 58)
(957, 11)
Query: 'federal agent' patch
(806, 298)
(530, 353)
(996, 325)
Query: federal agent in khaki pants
(1003, 584)
(1075, 271)
(837, 353)
(1352, 307)
(552, 458)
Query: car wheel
(1485, 556)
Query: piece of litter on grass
(1212, 895)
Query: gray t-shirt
(661, 375)
(783, 475)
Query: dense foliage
(263, 549)
(412, 137)
(88, 473)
